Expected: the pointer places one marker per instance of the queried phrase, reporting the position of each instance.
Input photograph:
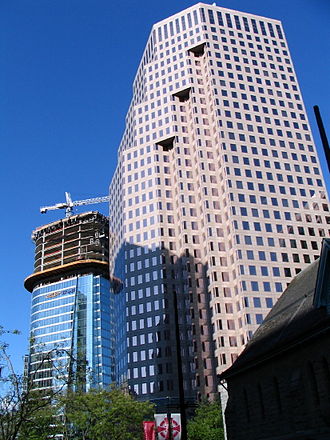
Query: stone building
(217, 199)
(279, 387)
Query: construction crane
(69, 204)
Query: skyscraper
(217, 201)
(72, 328)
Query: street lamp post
(179, 363)
(169, 420)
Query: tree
(104, 414)
(24, 412)
(207, 423)
(43, 424)
(30, 414)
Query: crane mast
(69, 204)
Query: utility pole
(323, 135)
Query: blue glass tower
(72, 324)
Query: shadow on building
(164, 337)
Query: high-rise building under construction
(72, 328)
(217, 201)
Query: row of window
(271, 256)
(280, 228)
(261, 187)
(248, 319)
(149, 306)
(251, 55)
(228, 20)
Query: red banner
(149, 430)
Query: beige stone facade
(218, 194)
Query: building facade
(72, 328)
(217, 201)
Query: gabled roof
(302, 312)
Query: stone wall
(287, 397)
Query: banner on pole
(148, 430)
(162, 426)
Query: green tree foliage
(24, 412)
(43, 424)
(104, 414)
(28, 417)
(207, 423)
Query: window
(254, 286)
(287, 272)
(269, 302)
(260, 241)
(278, 287)
(247, 239)
(271, 241)
(250, 255)
(276, 271)
(257, 226)
(252, 270)
(266, 286)
(264, 271)
(303, 244)
(246, 226)
(268, 227)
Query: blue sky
(66, 72)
